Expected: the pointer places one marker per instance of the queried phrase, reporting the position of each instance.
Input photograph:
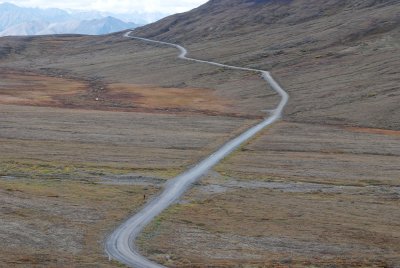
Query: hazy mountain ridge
(15, 20)
(12, 15)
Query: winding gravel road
(120, 244)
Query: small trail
(120, 245)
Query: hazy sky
(120, 6)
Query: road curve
(120, 244)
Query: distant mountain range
(15, 20)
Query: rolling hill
(306, 43)
(93, 126)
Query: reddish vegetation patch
(375, 131)
(166, 99)
(28, 88)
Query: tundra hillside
(92, 126)
(320, 188)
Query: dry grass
(338, 60)
(179, 100)
(57, 156)
(267, 228)
(339, 63)
(116, 62)
(34, 89)
(263, 227)
(61, 223)
(111, 139)
(297, 195)
(56, 212)
(388, 132)
(318, 153)
(27, 88)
